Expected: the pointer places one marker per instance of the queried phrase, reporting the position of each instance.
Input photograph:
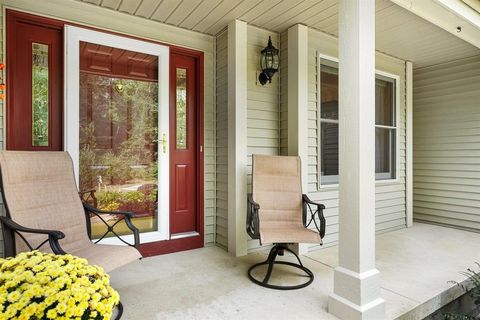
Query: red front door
(183, 145)
(186, 154)
(35, 85)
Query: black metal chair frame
(10, 228)
(253, 230)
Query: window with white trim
(385, 125)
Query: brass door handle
(164, 143)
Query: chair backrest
(277, 188)
(39, 192)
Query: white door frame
(73, 36)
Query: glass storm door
(117, 128)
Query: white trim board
(73, 36)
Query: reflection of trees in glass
(124, 113)
(40, 94)
(181, 109)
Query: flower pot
(118, 311)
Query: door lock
(164, 143)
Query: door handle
(164, 143)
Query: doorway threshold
(184, 235)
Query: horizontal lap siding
(284, 93)
(222, 140)
(389, 196)
(209, 151)
(446, 144)
(263, 110)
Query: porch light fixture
(268, 63)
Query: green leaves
(472, 284)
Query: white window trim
(396, 77)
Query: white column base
(356, 296)
(344, 309)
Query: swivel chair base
(278, 250)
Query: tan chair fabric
(40, 192)
(277, 188)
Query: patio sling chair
(277, 214)
(43, 205)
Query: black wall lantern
(268, 63)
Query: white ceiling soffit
(449, 15)
(399, 32)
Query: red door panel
(22, 35)
(181, 192)
(183, 145)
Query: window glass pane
(181, 109)
(39, 95)
(384, 101)
(385, 153)
(329, 92)
(119, 134)
(329, 152)
(385, 138)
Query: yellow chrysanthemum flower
(51, 314)
(41, 285)
(61, 308)
(11, 311)
(31, 309)
(13, 296)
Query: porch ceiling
(400, 33)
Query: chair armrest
(86, 195)
(307, 203)
(253, 222)
(87, 191)
(17, 227)
(12, 227)
(307, 200)
(127, 216)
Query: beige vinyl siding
(284, 93)
(390, 196)
(222, 140)
(110, 20)
(312, 115)
(263, 110)
(209, 136)
(446, 144)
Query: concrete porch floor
(415, 264)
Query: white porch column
(237, 137)
(356, 281)
(298, 103)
